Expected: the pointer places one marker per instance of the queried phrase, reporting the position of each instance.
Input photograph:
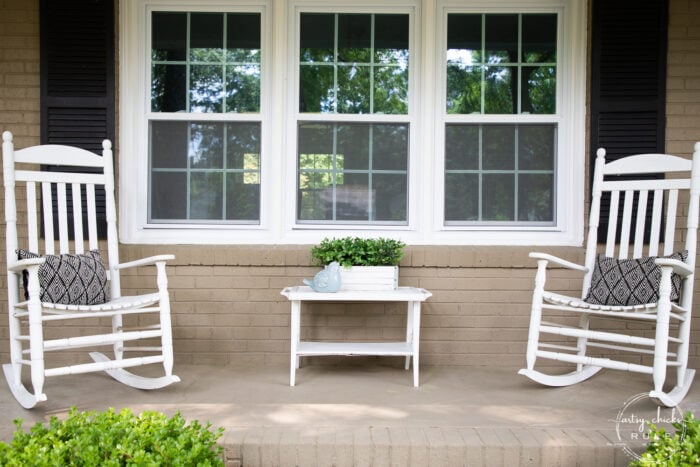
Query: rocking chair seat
(565, 300)
(121, 303)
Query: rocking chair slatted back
(660, 194)
(55, 188)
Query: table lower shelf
(354, 348)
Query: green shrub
(113, 439)
(356, 251)
(681, 449)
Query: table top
(400, 294)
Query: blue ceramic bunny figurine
(327, 280)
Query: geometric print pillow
(630, 281)
(70, 279)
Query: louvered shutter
(77, 77)
(628, 81)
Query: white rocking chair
(669, 319)
(30, 318)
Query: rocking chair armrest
(559, 261)
(678, 266)
(22, 264)
(144, 261)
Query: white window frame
(303, 232)
(279, 115)
(569, 119)
(134, 110)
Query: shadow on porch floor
(370, 414)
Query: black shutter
(628, 81)
(77, 76)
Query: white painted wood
(668, 348)
(352, 348)
(369, 278)
(408, 348)
(26, 317)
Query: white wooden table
(408, 348)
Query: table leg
(295, 326)
(416, 339)
(409, 331)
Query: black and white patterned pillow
(70, 279)
(630, 281)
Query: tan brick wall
(226, 300)
(19, 70)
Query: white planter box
(369, 278)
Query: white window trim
(279, 111)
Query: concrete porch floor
(370, 414)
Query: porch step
(419, 446)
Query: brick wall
(19, 70)
(227, 307)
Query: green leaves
(356, 251)
(680, 449)
(114, 439)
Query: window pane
(206, 88)
(243, 88)
(317, 37)
(168, 196)
(168, 36)
(242, 196)
(390, 147)
(539, 38)
(463, 88)
(498, 147)
(206, 195)
(352, 147)
(243, 37)
(390, 196)
(206, 37)
(354, 38)
(316, 89)
(498, 201)
(391, 39)
(464, 39)
(391, 90)
(462, 147)
(206, 146)
(501, 39)
(536, 145)
(353, 198)
(352, 172)
(168, 88)
(168, 145)
(354, 89)
(461, 197)
(535, 197)
(500, 93)
(539, 88)
(243, 148)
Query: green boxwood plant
(114, 439)
(680, 449)
(356, 251)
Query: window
(353, 167)
(204, 65)
(502, 64)
(268, 122)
